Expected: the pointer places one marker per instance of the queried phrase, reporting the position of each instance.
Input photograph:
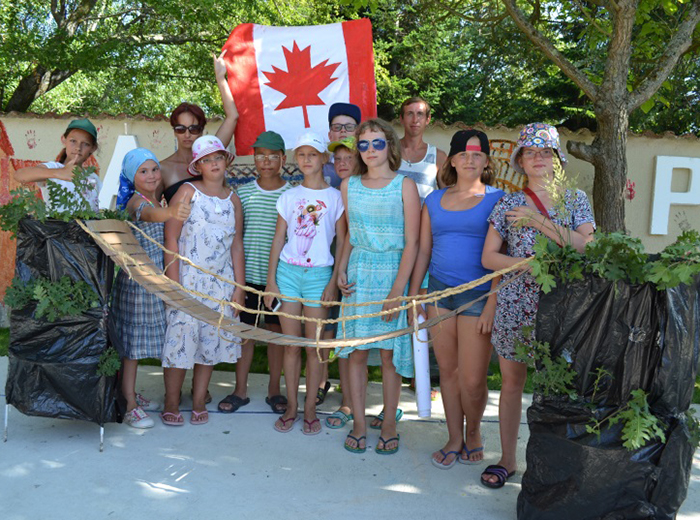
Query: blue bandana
(130, 165)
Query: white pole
(7, 413)
(102, 438)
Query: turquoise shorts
(303, 282)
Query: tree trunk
(610, 163)
(34, 85)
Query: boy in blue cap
(343, 118)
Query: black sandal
(275, 402)
(235, 402)
(322, 392)
(499, 472)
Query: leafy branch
(66, 204)
(109, 363)
(54, 299)
(551, 376)
(616, 256)
(639, 424)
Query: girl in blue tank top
(454, 223)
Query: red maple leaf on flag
(301, 83)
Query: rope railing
(118, 241)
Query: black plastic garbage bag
(53, 365)
(595, 324)
(644, 338)
(574, 475)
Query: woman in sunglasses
(188, 123)
(383, 211)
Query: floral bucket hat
(537, 135)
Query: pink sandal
(284, 423)
(309, 424)
(172, 419)
(196, 417)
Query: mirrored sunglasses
(378, 144)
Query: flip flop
(357, 440)
(275, 402)
(322, 392)
(399, 414)
(444, 456)
(235, 402)
(384, 451)
(310, 424)
(468, 454)
(196, 417)
(284, 423)
(341, 416)
(501, 474)
(172, 419)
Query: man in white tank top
(419, 160)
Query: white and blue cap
(311, 139)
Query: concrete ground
(237, 466)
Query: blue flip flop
(341, 416)
(357, 440)
(399, 414)
(384, 451)
(468, 453)
(440, 465)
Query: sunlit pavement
(238, 466)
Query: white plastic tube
(422, 367)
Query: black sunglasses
(194, 129)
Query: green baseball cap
(347, 142)
(85, 125)
(270, 140)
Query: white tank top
(424, 172)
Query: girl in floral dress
(538, 155)
(383, 226)
(212, 238)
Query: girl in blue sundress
(383, 211)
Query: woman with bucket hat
(563, 216)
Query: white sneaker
(147, 404)
(137, 418)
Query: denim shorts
(457, 300)
(303, 282)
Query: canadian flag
(285, 78)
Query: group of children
(360, 230)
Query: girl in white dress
(212, 237)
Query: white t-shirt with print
(92, 196)
(311, 216)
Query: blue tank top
(458, 239)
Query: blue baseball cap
(344, 109)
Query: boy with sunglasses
(259, 201)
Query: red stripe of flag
(358, 45)
(243, 80)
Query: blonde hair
(392, 142)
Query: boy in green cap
(259, 200)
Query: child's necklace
(144, 198)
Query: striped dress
(259, 224)
(138, 317)
(376, 225)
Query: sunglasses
(193, 129)
(377, 144)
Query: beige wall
(38, 138)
